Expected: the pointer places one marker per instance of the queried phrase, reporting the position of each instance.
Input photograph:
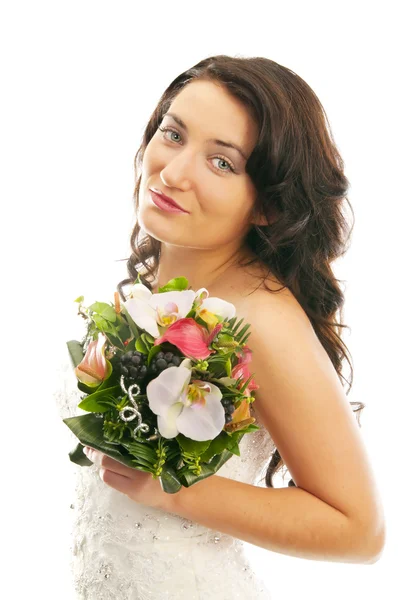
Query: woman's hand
(137, 485)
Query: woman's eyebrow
(215, 141)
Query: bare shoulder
(275, 301)
(302, 403)
(260, 297)
(280, 329)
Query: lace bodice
(122, 550)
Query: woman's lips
(164, 205)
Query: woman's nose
(179, 172)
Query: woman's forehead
(209, 109)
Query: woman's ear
(268, 219)
(260, 221)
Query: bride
(240, 190)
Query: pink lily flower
(94, 368)
(190, 338)
(241, 369)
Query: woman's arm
(335, 512)
(286, 520)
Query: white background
(79, 81)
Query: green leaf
(175, 285)
(130, 345)
(94, 406)
(111, 381)
(116, 341)
(88, 429)
(248, 380)
(232, 322)
(139, 467)
(228, 367)
(192, 447)
(223, 441)
(94, 402)
(79, 299)
(169, 480)
(217, 446)
(188, 478)
(75, 352)
(104, 310)
(228, 382)
(100, 322)
(234, 438)
(242, 331)
(224, 339)
(144, 341)
(236, 327)
(147, 464)
(148, 339)
(250, 428)
(218, 364)
(140, 346)
(122, 327)
(141, 450)
(77, 456)
(235, 449)
(153, 351)
(85, 388)
(244, 340)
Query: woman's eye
(224, 161)
(165, 130)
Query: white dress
(122, 550)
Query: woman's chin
(158, 227)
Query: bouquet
(166, 382)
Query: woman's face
(204, 177)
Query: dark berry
(124, 370)
(176, 360)
(136, 360)
(160, 354)
(161, 363)
(230, 409)
(133, 372)
(228, 418)
(141, 373)
(168, 356)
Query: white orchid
(191, 408)
(149, 311)
(209, 308)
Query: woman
(242, 147)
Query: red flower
(241, 369)
(189, 337)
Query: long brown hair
(299, 176)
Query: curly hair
(298, 175)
